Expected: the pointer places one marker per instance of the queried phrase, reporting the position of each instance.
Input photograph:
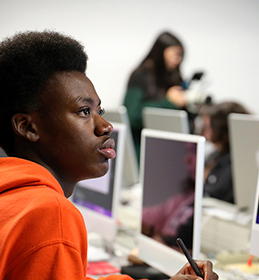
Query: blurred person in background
(218, 182)
(157, 82)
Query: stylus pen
(189, 257)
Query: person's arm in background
(176, 95)
(136, 97)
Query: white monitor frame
(254, 242)
(166, 119)
(244, 148)
(160, 256)
(106, 226)
(130, 165)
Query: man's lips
(108, 149)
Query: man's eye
(86, 111)
(101, 112)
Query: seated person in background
(157, 82)
(52, 129)
(217, 174)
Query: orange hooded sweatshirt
(42, 234)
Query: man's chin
(97, 172)
(101, 171)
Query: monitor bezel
(171, 120)
(241, 163)
(160, 256)
(254, 240)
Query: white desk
(223, 229)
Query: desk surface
(129, 218)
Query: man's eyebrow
(86, 100)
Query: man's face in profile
(73, 136)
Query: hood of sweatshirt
(17, 172)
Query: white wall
(220, 37)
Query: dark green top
(142, 92)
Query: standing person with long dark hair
(157, 82)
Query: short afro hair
(27, 61)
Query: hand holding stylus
(194, 270)
(187, 273)
(189, 257)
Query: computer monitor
(98, 198)
(254, 242)
(130, 165)
(244, 148)
(171, 175)
(166, 119)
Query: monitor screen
(97, 194)
(171, 174)
(244, 147)
(254, 242)
(130, 165)
(98, 198)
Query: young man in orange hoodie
(52, 129)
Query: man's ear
(24, 126)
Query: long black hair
(156, 55)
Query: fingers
(207, 270)
(187, 273)
(215, 276)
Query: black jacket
(219, 183)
